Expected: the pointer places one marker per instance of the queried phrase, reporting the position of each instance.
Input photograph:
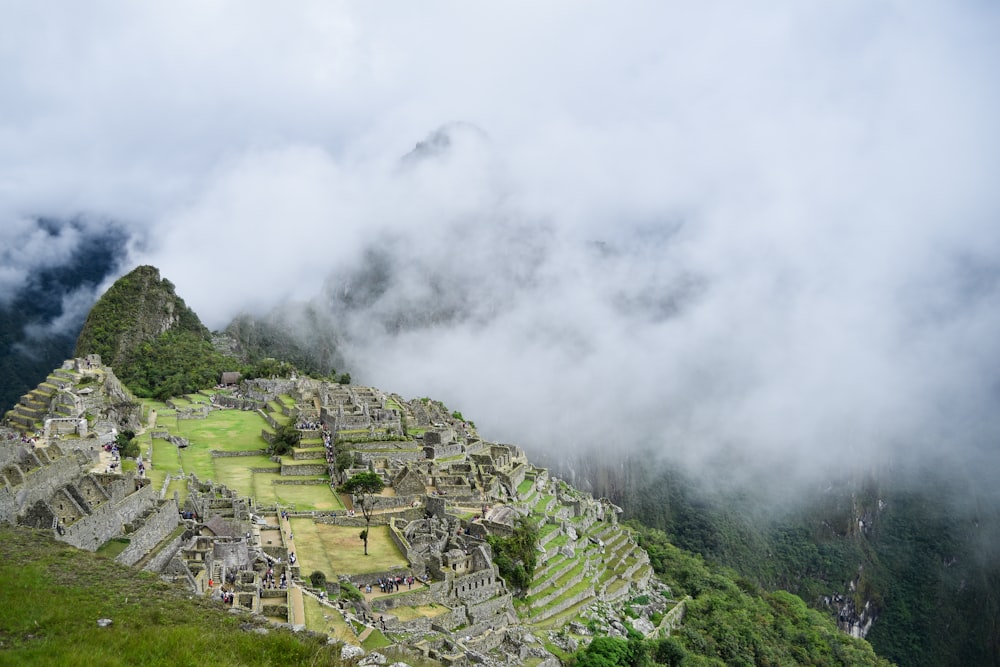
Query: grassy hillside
(52, 595)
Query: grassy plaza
(253, 474)
(336, 550)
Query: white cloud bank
(709, 227)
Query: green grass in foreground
(51, 596)
(320, 618)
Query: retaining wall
(157, 526)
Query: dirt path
(296, 606)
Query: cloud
(714, 228)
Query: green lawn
(308, 496)
(165, 461)
(336, 550)
(224, 430)
(405, 613)
(236, 472)
(320, 618)
(197, 459)
(263, 490)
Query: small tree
(318, 579)
(285, 440)
(127, 446)
(364, 486)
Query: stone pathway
(296, 606)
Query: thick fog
(709, 227)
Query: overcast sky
(703, 225)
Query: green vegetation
(285, 440)
(51, 596)
(262, 338)
(173, 363)
(266, 368)
(920, 558)
(318, 579)
(728, 621)
(127, 446)
(332, 549)
(365, 485)
(517, 555)
(157, 345)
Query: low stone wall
(234, 403)
(375, 456)
(274, 610)
(341, 518)
(450, 620)
(673, 618)
(485, 639)
(250, 452)
(421, 594)
(444, 451)
(394, 502)
(514, 478)
(308, 455)
(362, 580)
(304, 469)
(565, 604)
(301, 482)
(156, 527)
(271, 421)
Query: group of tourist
(331, 452)
(391, 584)
(269, 582)
(25, 438)
(116, 459)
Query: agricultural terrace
(252, 474)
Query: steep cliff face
(137, 309)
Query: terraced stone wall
(154, 530)
(107, 520)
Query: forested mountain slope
(905, 557)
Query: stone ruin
(450, 490)
(49, 451)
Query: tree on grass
(364, 486)
(318, 579)
(286, 439)
(127, 446)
